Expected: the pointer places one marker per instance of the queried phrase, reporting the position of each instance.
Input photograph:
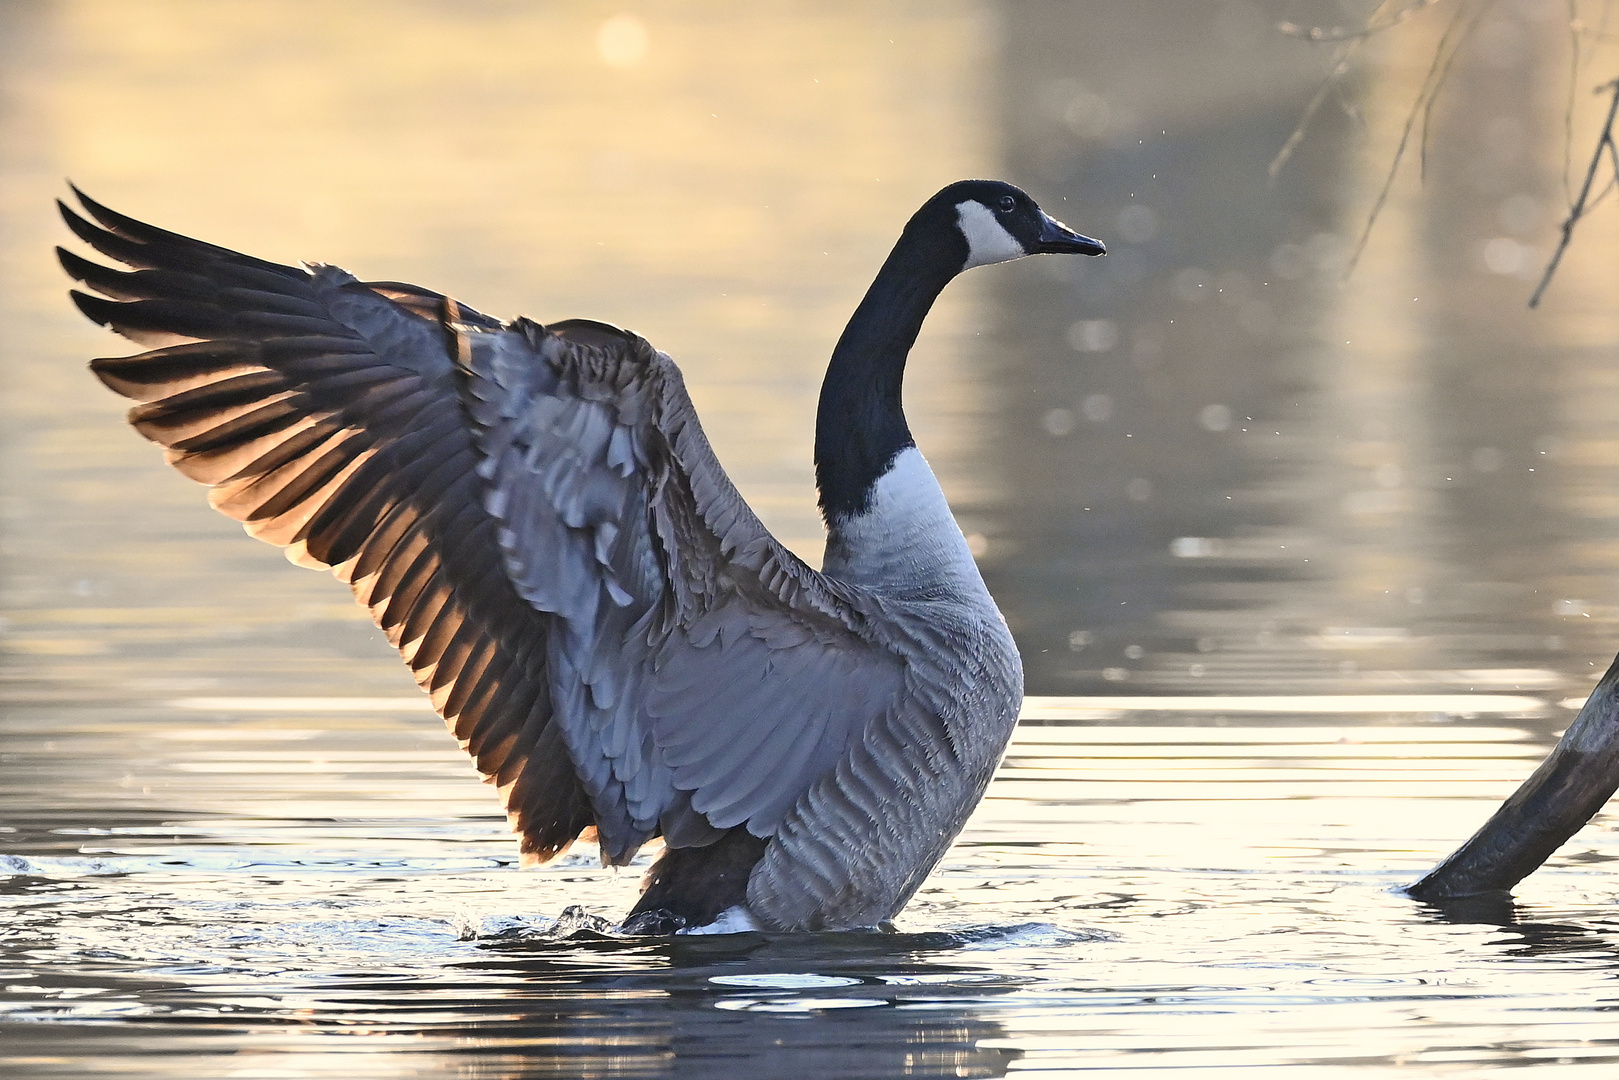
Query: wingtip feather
(90, 274)
(76, 221)
(94, 308)
(110, 219)
(73, 264)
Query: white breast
(908, 540)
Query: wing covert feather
(709, 660)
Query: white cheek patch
(987, 239)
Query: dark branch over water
(1571, 785)
(1584, 204)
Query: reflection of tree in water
(1526, 936)
(1467, 22)
(1228, 469)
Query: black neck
(860, 426)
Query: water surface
(1307, 572)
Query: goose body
(533, 516)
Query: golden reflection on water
(1215, 892)
(1204, 465)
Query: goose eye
(1007, 204)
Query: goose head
(990, 221)
(860, 427)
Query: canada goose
(535, 519)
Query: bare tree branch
(1321, 33)
(1466, 19)
(1570, 786)
(1568, 111)
(1456, 33)
(1340, 64)
(1584, 204)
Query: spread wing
(531, 514)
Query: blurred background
(1216, 461)
(1256, 452)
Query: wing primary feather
(200, 403)
(274, 416)
(164, 372)
(284, 528)
(463, 707)
(309, 355)
(478, 660)
(428, 491)
(280, 440)
(151, 236)
(280, 490)
(414, 545)
(483, 717)
(347, 528)
(109, 244)
(435, 641)
(404, 605)
(456, 653)
(317, 415)
(380, 542)
(402, 598)
(337, 533)
(430, 604)
(273, 302)
(136, 284)
(156, 320)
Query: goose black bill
(1058, 239)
